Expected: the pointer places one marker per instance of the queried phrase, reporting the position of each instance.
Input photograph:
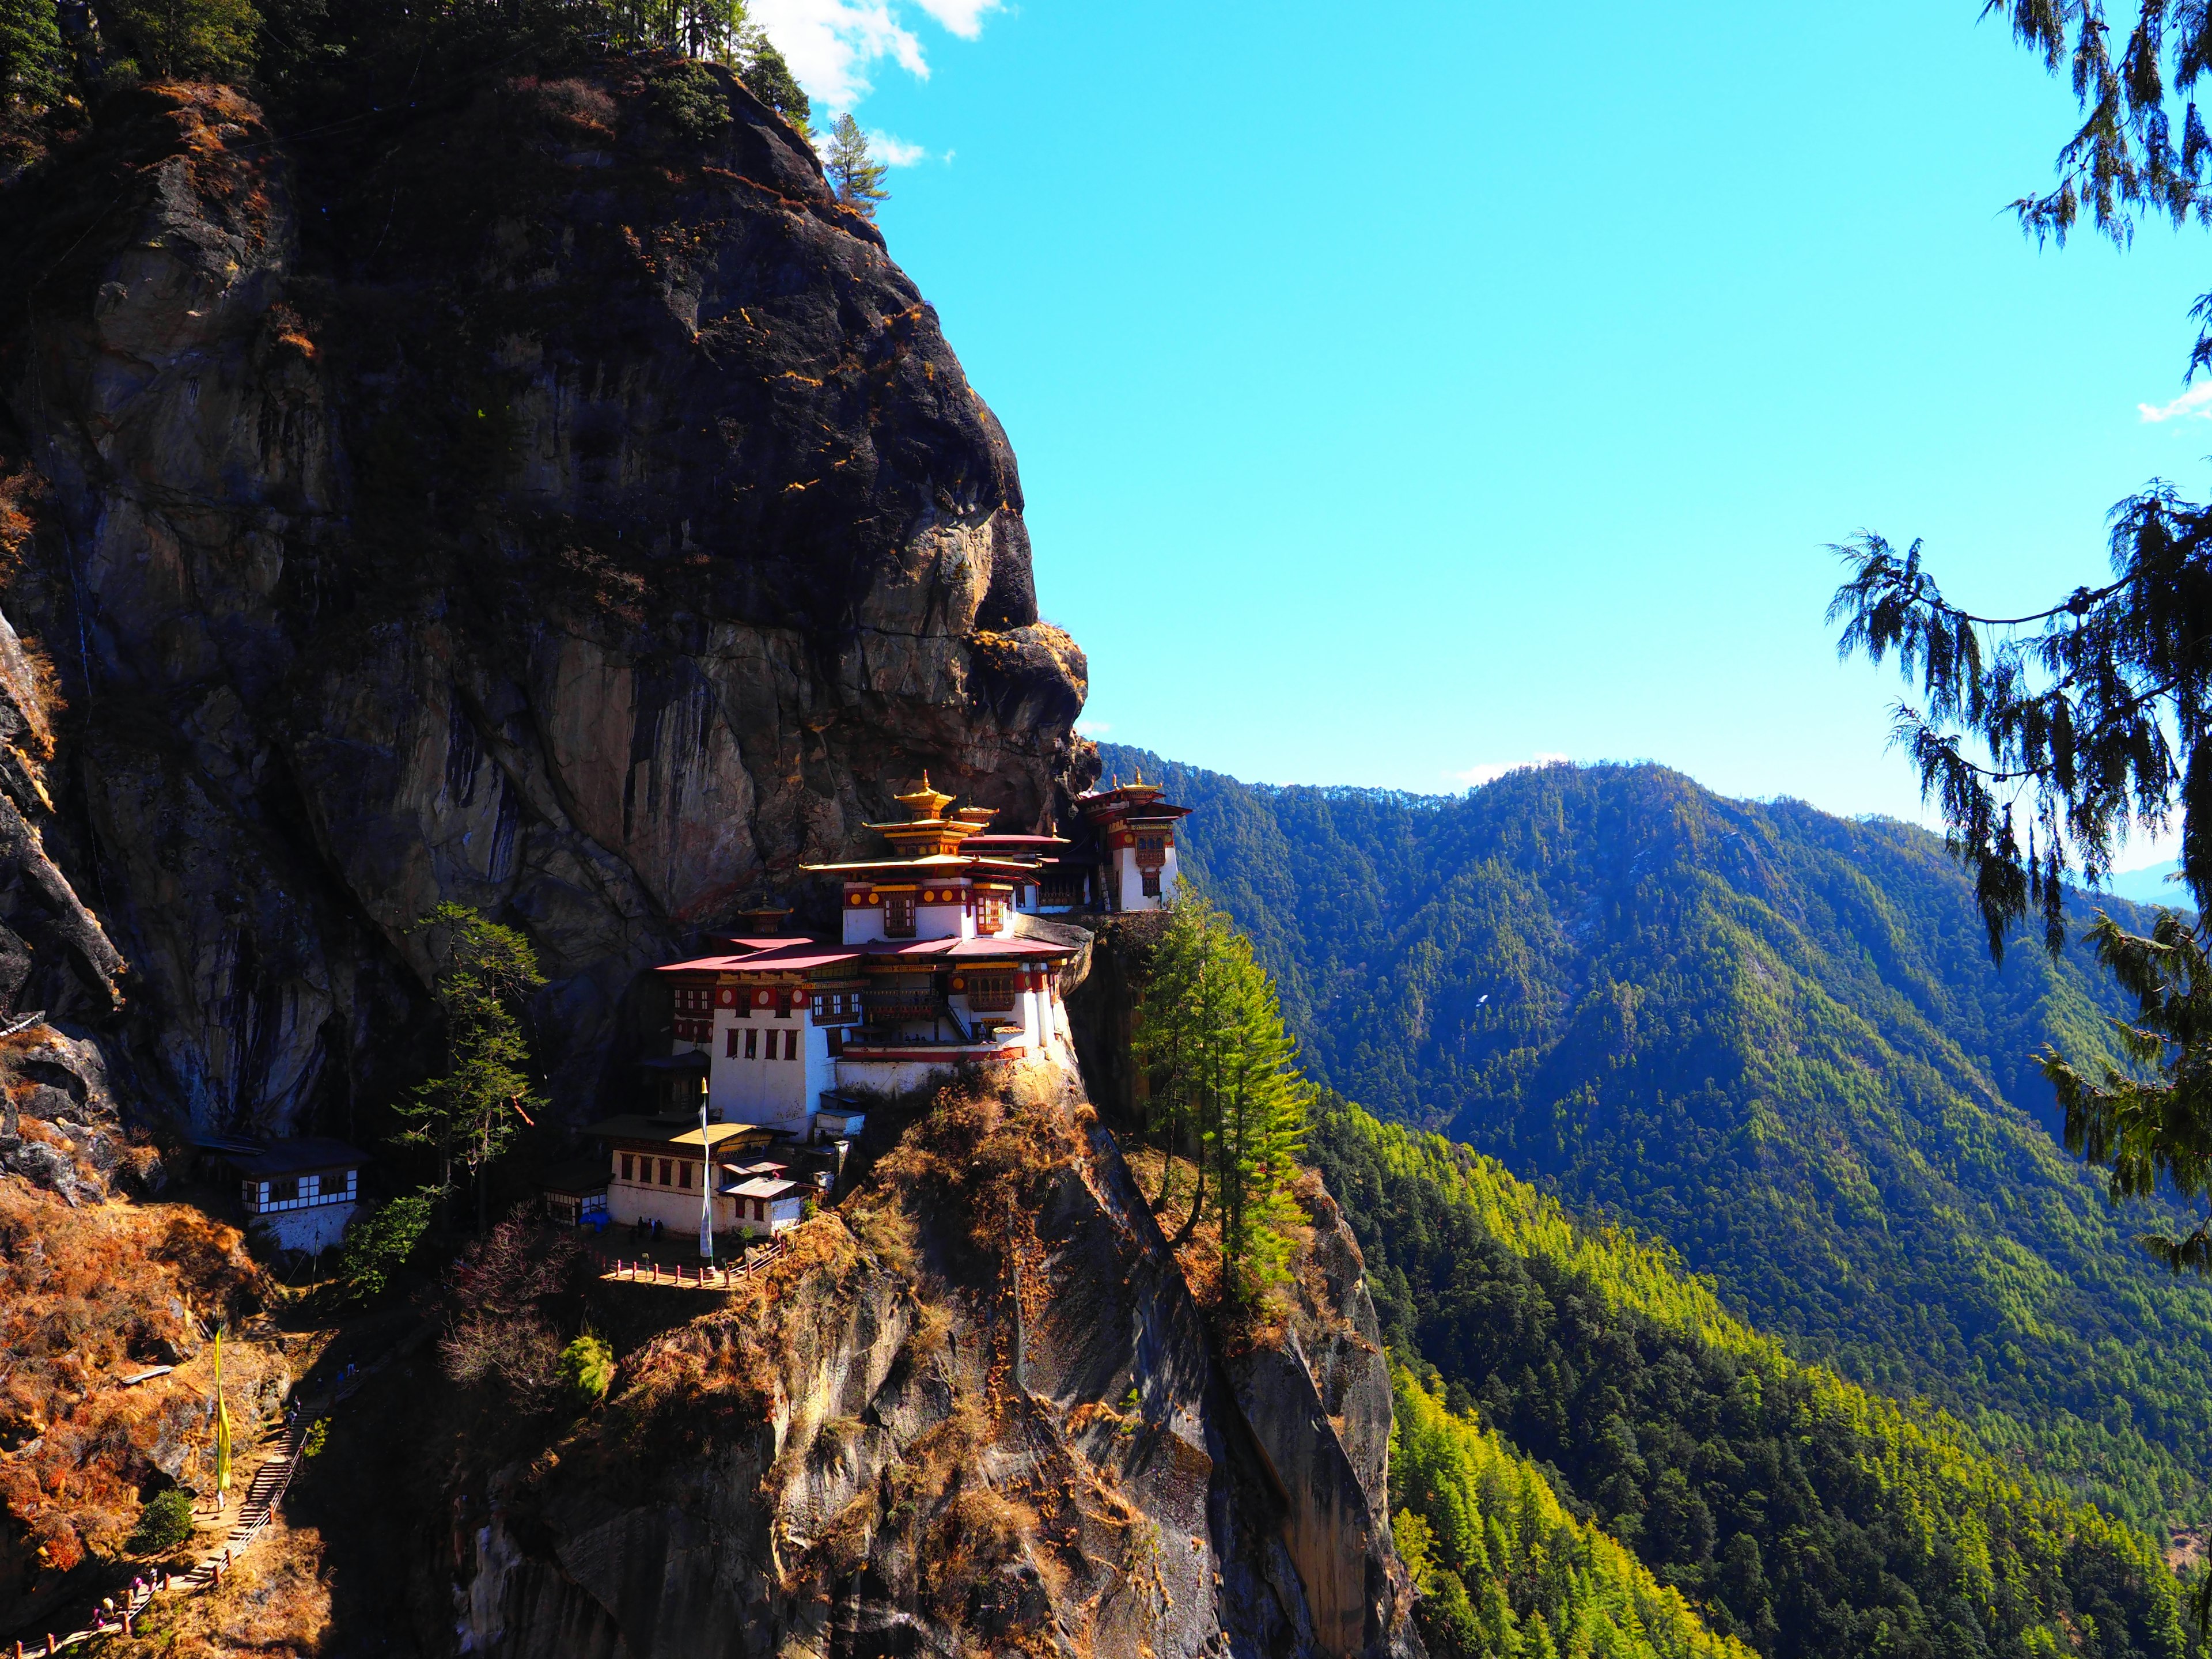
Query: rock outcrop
(545, 498)
(976, 1411)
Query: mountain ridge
(1770, 1036)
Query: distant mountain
(1770, 1035)
(2152, 884)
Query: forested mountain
(1798, 1512)
(1771, 1036)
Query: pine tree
(857, 178)
(769, 78)
(466, 1118)
(2047, 737)
(1218, 1060)
(34, 69)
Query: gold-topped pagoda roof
(924, 805)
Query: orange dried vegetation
(87, 1297)
(273, 1603)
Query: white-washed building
(933, 971)
(1135, 827)
(297, 1195)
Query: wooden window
(696, 1001)
(684, 1174)
(990, 912)
(898, 916)
(663, 1172)
(791, 1044)
(627, 1174)
(1151, 882)
(730, 1049)
(282, 1189)
(991, 993)
(752, 1044)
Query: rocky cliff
(543, 497)
(976, 1410)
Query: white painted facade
(308, 1213)
(1128, 877)
(748, 1084)
(643, 1196)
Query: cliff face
(976, 1411)
(546, 498)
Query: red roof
(792, 956)
(964, 949)
(758, 944)
(798, 957)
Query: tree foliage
(466, 1116)
(189, 39)
(33, 68)
(379, 1246)
(2042, 748)
(770, 79)
(164, 1523)
(2150, 1121)
(1210, 1037)
(1502, 1566)
(1804, 1516)
(854, 173)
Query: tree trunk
(1197, 1207)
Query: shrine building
(931, 974)
(1135, 827)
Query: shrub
(588, 1369)
(378, 1247)
(163, 1524)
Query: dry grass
(87, 1297)
(47, 704)
(273, 1603)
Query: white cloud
(2195, 404)
(963, 17)
(1475, 776)
(833, 47)
(897, 152)
(1094, 728)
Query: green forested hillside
(1501, 1564)
(1798, 1512)
(1770, 1036)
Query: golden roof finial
(925, 802)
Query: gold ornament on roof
(924, 803)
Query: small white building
(660, 1169)
(297, 1195)
(1136, 830)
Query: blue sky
(1406, 392)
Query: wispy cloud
(1475, 776)
(898, 153)
(2194, 405)
(963, 17)
(834, 46)
(1094, 728)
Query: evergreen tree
(856, 177)
(34, 70)
(1218, 1060)
(190, 39)
(770, 79)
(466, 1118)
(2045, 748)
